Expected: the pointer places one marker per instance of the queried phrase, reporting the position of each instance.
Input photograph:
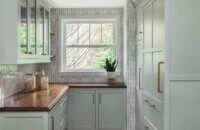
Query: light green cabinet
(98, 109)
(153, 50)
(111, 109)
(150, 65)
(24, 121)
(53, 120)
(21, 34)
(83, 109)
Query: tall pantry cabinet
(168, 68)
(150, 62)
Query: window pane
(87, 58)
(83, 34)
(71, 34)
(46, 33)
(23, 27)
(41, 30)
(33, 26)
(107, 34)
(95, 34)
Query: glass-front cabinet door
(34, 30)
(24, 26)
(32, 27)
(41, 30)
(46, 33)
(28, 27)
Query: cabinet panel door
(147, 72)
(139, 14)
(139, 107)
(158, 25)
(139, 65)
(147, 12)
(158, 76)
(110, 113)
(83, 107)
(24, 121)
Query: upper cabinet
(25, 31)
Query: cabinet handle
(44, 54)
(30, 52)
(158, 84)
(52, 118)
(93, 98)
(139, 78)
(150, 104)
(100, 98)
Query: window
(86, 44)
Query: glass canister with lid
(29, 82)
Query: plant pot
(111, 77)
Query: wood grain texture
(43, 100)
(97, 85)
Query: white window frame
(62, 49)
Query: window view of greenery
(23, 28)
(88, 45)
(31, 46)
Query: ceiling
(87, 3)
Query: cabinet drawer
(153, 113)
(63, 107)
(148, 125)
(63, 122)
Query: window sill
(85, 73)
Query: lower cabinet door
(83, 109)
(24, 121)
(111, 108)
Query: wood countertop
(97, 85)
(44, 100)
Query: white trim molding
(115, 20)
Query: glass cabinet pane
(24, 27)
(32, 30)
(41, 30)
(46, 33)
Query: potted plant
(110, 67)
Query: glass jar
(29, 82)
(44, 83)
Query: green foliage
(110, 65)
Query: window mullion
(88, 46)
(77, 34)
(101, 35)
(89, 34)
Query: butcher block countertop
(44, 100)
(97, 85)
